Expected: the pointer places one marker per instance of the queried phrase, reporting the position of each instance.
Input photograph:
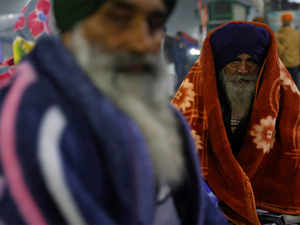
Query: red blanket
(266, 172)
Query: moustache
(133, 64)
(240, 78)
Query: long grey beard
(144, 97)
(239, 92)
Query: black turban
(69, 13)
(234, 39)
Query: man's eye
(251, 61)
(235, 63)
(237, 60)
(156, 21)
(122, 17)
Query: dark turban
(234, 39)
(69, 13)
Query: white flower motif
(184, 96)
(264, 134)
(286, 80)
(198, 141)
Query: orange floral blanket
(266, 172)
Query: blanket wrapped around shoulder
(266, 172)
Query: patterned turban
(69, 13)
(234, 39)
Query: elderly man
(243, 107)
(87, 136)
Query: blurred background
(9, 12)
(191, 21)
(194, 19)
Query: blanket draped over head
(266, 172)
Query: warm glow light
(195, 51)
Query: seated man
(243, 107)
(86, 133)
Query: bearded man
(87, 135)
(243, 107)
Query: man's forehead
(147, 5)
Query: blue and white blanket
(69, 156)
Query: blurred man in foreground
(243, 107)
(87, 136)
(288, 43)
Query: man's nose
(242, 69)
(144, 40)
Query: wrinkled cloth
(68, 155)
(288, 43)
(266, 172)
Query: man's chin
(243, 83)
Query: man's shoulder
(27, 98)
(292, 30)
(28, 83)
(36, 92)
(288, 30)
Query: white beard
(239, 93)
(144, 97)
